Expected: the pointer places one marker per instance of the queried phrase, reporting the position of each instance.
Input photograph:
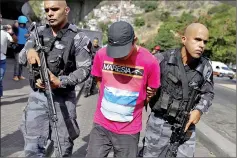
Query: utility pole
(120, 10)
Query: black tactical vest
(59, 53)
(169, 96)
(59, 50)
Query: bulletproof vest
(59, 50)
(169, 96)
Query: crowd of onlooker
(13, 36)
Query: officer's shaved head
(193, 27)
(61, 3)
(194, 39)
(57, 12)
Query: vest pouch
(173, 108)
(55, 63)
(165, 101)
(178, 91)
(174, 86)
(160, 102)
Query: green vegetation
(164, 38)
(220, 20)
(179, 7)
(104, 28)
(219, 9)
(148, 6)
(165, 16)
(222, 29)
(36, 7)
(138, 22)
(168, 34)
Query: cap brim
(119, 51)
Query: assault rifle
(178, 135)
(44, 76)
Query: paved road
(14, 101)
(12, 141)
(222, 114)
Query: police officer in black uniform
(68, 59)
(90, 83)
(181, 71)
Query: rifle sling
(184, 78)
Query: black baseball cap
(120, 39)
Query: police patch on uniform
(58, 45)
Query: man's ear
(67, 10)
(183, 38)
(135, 39)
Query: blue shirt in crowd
(21, 35)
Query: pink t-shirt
(123, 89)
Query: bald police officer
(169, 97)
(69, 63)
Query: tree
(218, 9)
(37, 8)
(220, 22)
(148, 6)
(168, 36)
(139, 22)
(165, 37)
(222, 30)
(104, 28)
(165, 16)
